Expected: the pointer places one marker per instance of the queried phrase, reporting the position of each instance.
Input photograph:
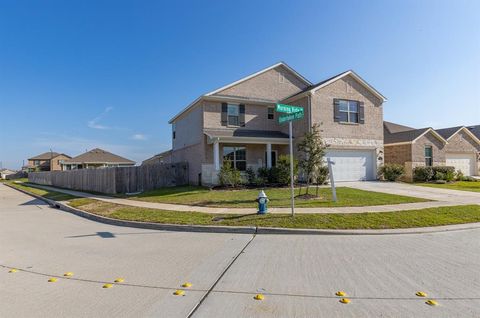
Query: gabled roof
(475, 130)
(48, 155)
(314, 88)
(210, 94)
(98, 155)
(395, 128)
(396, 134)
(448, 133)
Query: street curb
(245, 229)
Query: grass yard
(458, 185)
(57, 196)
(279, 197)
(386, 220)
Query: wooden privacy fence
(116, 180)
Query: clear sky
(81, 74)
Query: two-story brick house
(238, 122)
(48, 161)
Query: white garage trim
(465, 162)
(352, 165)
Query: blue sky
(81, 74)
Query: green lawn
(386, 220)
(279, 197)
(459, 185)
(57, 196)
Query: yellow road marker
(341, 293)
(344, 300)
(107, 286)
(179, 292)
(68, 274)
(52, 280)
(13, 270)
(259, 297)
(421, 294)
(119, 280)
(187, 285)
(431, 302)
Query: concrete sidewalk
(362, 209)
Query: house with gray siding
(238, 122)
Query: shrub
(250, 176)
(459, 175)
(283, 169)
(228, 176)
(392, 171)
(263, 175)
(423, 173)
(439, 176)
(322, 175)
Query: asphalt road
(298, 274)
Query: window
(233, 113)
(281, 78)
(348, 110)
(271, 113)
(274, 158)
(428, 156)
(36, 162)
(174, 130)
(237, 156)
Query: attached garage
(464, 162)
(352, 165)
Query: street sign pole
(291, 168)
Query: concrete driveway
(437, 194)
(298, 274)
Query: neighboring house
(456, 146)
(238, 122)
(5, 173)
(48, 161)
(96, 158)
(160, 158)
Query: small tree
(311, 152)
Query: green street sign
(288, 109)
(291, 117)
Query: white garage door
(352, 165)
(464, 162)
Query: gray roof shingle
(98, 155)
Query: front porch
(244, 148)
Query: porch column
(216, 155)
(269, 155)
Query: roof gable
(48, 155)
(328, 81)
(448, 133)
(98, 155)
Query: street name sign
(288, 109)
(290, 117)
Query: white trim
(439, 137)
(247, 140)
(258, 73)
(336, 78)
(468, 133)
(185, 109)
(398, 143)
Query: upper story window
(428, 156)
(233, 113)
(348, 111)
(281, 78)
(36, 162)
(271, 113)
(174, 130)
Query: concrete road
(297, 274)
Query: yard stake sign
(290, 113)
